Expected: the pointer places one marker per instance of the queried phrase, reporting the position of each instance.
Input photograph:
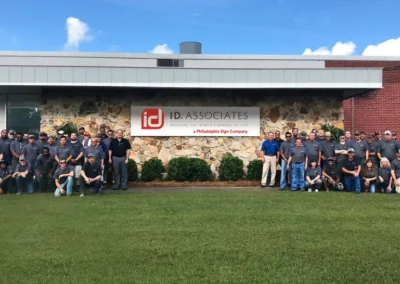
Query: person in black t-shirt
(119, 157)
(90, 176)
(331, 176)
(313, 177)
(369, 176)
(385, 179)
(5, 177)
(351, 169)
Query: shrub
(189, 169)
(68, 128)
(152, 170)
(254, 170)
(132, 170)
(231, 168)
(335, 131)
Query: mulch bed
(240, 183)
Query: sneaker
(316, 190)
(18, 193)
(82, 194)
(309, 190)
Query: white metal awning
(323, 78)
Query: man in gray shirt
(360, 147)
(313, 149)
(327, 147)
(285, 149)
(97, 151)
(64, 151)
(44, 165)
(5, 144)
(298, 163)
(387, 148)
(108, 170)
(31, 151)
(16, 149)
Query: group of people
(62, 163)
(315, 161)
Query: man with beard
(77, 154)
(42, 140)
(348, 139)
(351, 169)
(388, 147)
(327, 148)
(90, 175)
(80, 136)
(31, 152)
(97, 151)
(51, 144)
(372, 150)
(5, 146)
(295, 133)
(16, 149)
(330, 174)
(45, 165)
(102, 132)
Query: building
(44, 90)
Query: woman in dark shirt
(384, 176)
(369, 175)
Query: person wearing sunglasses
(63, 177)
(341, 153)
(285, 150)
(91, 174)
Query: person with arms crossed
(313, 177)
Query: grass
(200, 237)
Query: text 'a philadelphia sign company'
(195, 121)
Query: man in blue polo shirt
(270, 158)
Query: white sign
(195, 121)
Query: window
(169, 63)
(23, 112)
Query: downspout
(352, 115)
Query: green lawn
(200, 237)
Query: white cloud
(391, 47)
(340, 48)
(162, 49)
(77, 32)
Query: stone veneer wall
(279, 110)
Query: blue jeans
(352, 183)
(24, 183)
(284, 173)
(298, 176)
(372, 187)
(68, 184)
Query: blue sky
(223, 26)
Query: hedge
(231, 169)
(132, 170)
(152, 170)
(189, 169)
(254, 170)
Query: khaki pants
(269, 163)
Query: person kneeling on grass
(64, 179)
(91, 174)
(384, 177)
(313, 177)
(23, 176)
(5, 177)
(330, 176)
(369, 175)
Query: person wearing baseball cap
(23, 176)
(351, 170)
(360, 148)
(387, 147)
(91, 174)
(42, 140)
(395, 171)
(330, 174)
(327, 148)
(394, 136)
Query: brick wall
(377, 110)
